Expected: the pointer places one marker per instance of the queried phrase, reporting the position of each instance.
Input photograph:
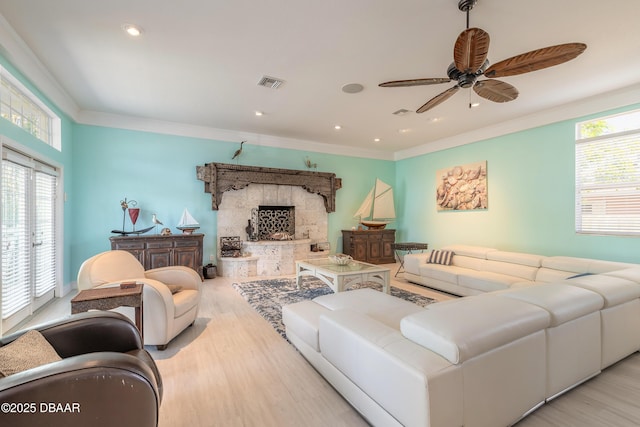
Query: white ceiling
(198, 62)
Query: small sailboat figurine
(377, 209)
(187, 223)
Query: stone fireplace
(283, 209)
(308, 195)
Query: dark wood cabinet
(163, 251)
(372, 246)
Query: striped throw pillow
(440, 257)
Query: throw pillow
(174, 288)
(440, 257)
(29, 351)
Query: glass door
(28, 236)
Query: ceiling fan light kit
(470, 62)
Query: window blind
(16, 240)
(44, 233)
(608, 185)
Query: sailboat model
(377, 209)
(187, 224)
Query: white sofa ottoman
(373, 320)
(573, 339)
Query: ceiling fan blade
(415, 82)
(439, 99)
(495, 90)
(536, 60)
(470, 50)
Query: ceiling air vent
(401, 112)
(270, 82)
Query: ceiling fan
(470, 62)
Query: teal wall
(531, 202)
(159, 172)
(62, 159)
(530, 181)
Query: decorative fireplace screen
(275, 222)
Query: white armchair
(165, 315)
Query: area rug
(268, 296)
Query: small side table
(407, 247)
(110, 298)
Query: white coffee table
(337, 276)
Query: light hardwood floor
(232, 369)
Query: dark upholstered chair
(105, 377)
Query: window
(608, 175)
(28, 239)
(22, 108)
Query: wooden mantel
(221, 177)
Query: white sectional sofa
(475, 270)
(484, 360)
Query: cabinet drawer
(180, 243)
(159, 244)
(129, 245)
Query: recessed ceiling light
(337, 127)
(376, 139)
(132, 30)
(352, 88)
(259, 113)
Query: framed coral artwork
(462, 188)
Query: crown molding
(22, 57)
(97, 118)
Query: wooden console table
(110, 298)
(157, 251)
(373, 246)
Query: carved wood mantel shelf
(221, 177)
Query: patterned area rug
(268, 296)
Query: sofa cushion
(469, 262)
(467, 327)
(468, 250)
(445, 273)
(382, 307)
(614, 290)
(511, 269)
(564, 303)
(597, 266)
(632, 273)
(564, 263)
(302, 320)
(547, 275)
(413, 262)
(583, 265)
(440, 257)
(26, 352)
(487, 281)
(516, 258)
(184, 301)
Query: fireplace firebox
(275, 222)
